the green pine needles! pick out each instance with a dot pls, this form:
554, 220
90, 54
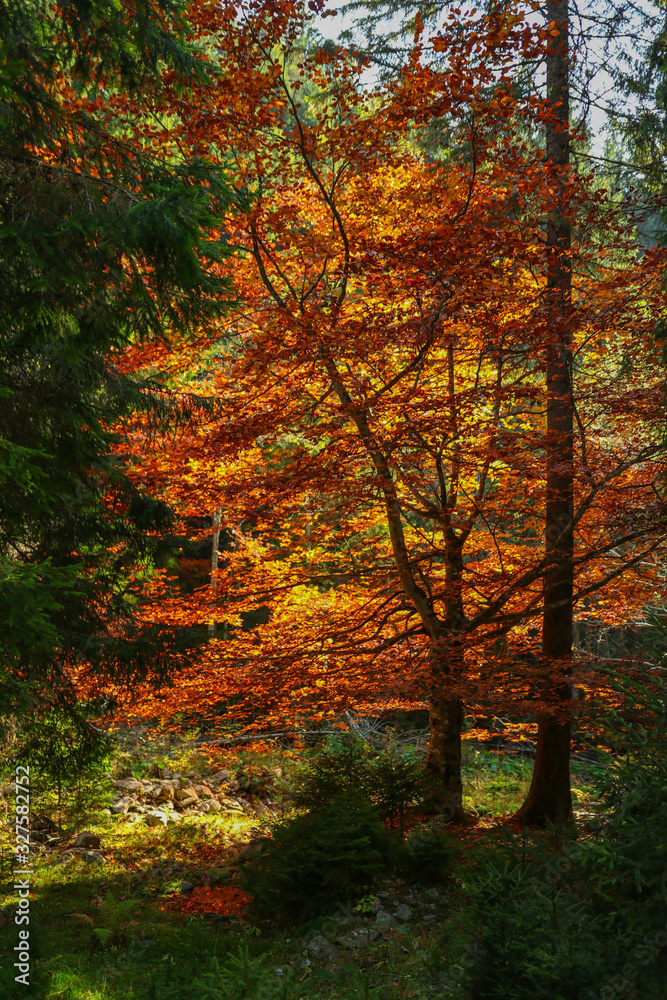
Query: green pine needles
102, 245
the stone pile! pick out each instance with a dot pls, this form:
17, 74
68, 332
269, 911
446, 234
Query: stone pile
350, 930
166, 795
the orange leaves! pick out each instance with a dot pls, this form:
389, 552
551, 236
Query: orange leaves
379, 424
221, 900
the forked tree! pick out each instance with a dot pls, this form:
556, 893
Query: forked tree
380, 450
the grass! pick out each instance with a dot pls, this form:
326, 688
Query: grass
495, 784
100, 930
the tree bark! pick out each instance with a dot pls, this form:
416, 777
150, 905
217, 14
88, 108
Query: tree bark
549, 798
443, 762
215, 556
445, 712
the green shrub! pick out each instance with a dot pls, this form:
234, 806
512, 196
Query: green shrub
342, 769
397, 782
563, 920
629, 859
391, 779
534, 936
316, 859
63, 745
427, 856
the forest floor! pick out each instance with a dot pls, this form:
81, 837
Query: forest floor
157, 911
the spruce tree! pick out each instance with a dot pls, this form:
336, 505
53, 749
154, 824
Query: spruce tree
103, 244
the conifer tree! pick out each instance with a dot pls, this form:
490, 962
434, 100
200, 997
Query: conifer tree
103, 242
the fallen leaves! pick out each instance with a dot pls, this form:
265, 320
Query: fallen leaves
225, 901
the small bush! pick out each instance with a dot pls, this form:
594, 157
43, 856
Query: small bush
427, 856
558, 919
342, 769
397, 782
535, 937
237, 977
317, 859
391, 779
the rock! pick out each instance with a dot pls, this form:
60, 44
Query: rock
430, 916
231, 805
210, 806
128, 784
43, 830
184, 795
87, 839
120, 806
186, 887
166, 773
136, 807
403, 913
189, 801
155, 818
222, 775
253, 849
433, 893
203, 791
163, 792
93, 856
384, 920
358, 938
321, 950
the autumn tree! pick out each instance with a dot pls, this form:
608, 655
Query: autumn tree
102, 244
570, 86
549, 796
380, 464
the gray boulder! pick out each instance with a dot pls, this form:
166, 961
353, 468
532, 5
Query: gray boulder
88, 840
384, 920
128, 784
155, 818
321, 950
403, 913
253, 849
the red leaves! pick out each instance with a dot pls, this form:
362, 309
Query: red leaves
388, 357
222, 900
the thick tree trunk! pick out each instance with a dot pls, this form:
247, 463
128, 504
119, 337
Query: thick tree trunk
549, 798
443, 763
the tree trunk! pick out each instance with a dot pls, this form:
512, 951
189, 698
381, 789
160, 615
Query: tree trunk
215, 555
549, 797
443, 763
